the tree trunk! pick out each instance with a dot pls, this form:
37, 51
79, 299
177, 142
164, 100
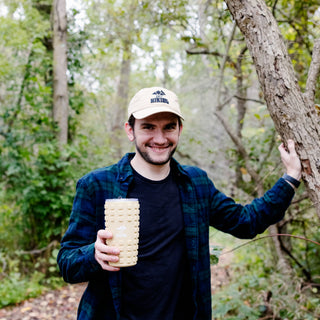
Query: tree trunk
121, 100
293, 112
60, 83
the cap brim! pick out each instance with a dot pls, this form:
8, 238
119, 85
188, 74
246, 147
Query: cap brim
153, 110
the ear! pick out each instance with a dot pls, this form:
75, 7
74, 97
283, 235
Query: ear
129, 131
180, 129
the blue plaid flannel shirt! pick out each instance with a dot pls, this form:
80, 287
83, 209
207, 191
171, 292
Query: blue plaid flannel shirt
202, 205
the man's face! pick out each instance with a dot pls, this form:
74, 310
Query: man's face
156, 137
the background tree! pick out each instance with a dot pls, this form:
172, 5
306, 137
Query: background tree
60, 82
192, 47
257, 152
32, 165
294, 113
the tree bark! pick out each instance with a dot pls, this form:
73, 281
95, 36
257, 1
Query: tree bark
292, 111
60, 82
121, 99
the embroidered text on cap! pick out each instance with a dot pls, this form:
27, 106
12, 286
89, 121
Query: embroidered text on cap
159, 97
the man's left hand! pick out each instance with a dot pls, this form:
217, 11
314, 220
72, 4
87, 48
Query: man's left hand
291, 160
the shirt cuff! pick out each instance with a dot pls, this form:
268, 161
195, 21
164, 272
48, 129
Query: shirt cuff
88, 251
292, 180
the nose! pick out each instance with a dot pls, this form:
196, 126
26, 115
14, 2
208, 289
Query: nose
159, 137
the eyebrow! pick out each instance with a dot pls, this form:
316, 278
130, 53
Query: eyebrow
147, 124
171, 123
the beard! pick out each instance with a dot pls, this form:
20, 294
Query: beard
146, 156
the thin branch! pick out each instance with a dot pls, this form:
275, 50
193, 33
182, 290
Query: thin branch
303, 197
267, 155
249, 99
304, 270
274, 8
207, 52
34, 252
223, 65
187, 156
241, 149
221, 105
295, 23
270, 236
241, 92
313, 72
313, 205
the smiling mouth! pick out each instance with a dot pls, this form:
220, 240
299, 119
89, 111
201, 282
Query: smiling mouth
158, 149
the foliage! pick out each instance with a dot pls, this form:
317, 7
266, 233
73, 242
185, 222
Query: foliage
303, 254
43, 193
298, 22
16, 288
38, 176
18, 283
232, 304
259, 290
215, 252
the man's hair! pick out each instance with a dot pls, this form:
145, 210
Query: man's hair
132, 121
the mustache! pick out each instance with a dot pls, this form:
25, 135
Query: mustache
164, 145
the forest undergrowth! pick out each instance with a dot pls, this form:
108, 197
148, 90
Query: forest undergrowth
258, 290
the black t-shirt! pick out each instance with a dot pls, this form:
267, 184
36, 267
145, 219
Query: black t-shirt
159, 286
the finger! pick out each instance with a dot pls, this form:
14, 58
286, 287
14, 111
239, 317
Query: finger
111, 268
106, 253
104, 234
107, 256
112, 250
105, 263
291, 146
106, 266
283, 151
105, 249
281, 147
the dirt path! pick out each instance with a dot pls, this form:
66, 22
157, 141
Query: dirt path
62, 304
54, 305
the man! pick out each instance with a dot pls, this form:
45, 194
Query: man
177, 204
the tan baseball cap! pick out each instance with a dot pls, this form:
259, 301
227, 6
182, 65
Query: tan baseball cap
149, 101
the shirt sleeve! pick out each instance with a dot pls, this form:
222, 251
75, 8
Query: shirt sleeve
247, 221
76, 256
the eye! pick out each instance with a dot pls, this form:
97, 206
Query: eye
171, 127
147, 127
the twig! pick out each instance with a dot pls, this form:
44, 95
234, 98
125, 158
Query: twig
223, 64
249, 99
270, 236
39, 251
241, 149
206, 52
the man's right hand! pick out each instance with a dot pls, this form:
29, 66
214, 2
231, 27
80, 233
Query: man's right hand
105, 254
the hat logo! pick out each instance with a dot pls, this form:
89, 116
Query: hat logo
159, 97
